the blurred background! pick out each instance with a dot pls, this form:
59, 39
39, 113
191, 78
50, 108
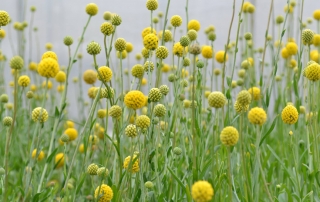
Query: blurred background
56, 19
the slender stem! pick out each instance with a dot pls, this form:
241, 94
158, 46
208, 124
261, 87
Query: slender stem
229, 173
193, 129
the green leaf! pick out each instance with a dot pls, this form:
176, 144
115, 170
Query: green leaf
52, 155
229, 81
74, 61
83, 177
176, 178
269, 131
137, 197
56, 113
228, 94
282, 34
36, 197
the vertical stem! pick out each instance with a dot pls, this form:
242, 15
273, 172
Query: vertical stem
194, 135
229, 173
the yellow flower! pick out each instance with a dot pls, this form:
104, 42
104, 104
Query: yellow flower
48, 67
284, 53
292, 48
290, 114
50, 54
143, 121
316, 40
4, 18
229, 136
105, 73
49, 84
105, 194
257, 116
144, 81
312, 72
40, 155
217, 99
316, 14
165, 68
220, 56
90, 76
176, 21
194, 24
178, 49
150, 41
255, 93
24, 81
59, 160
72, 133
129, 47
147, 31
134, 99
92, 9
36, 115
134, 167
69, 124
33, 66
314, 55
2, 33
202, 191
61, 77
207, 52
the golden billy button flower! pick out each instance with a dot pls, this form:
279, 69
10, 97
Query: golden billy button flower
240, 108
105, 194
68, 40
107, 15
290, 114
184, 41
131, 131
164, 89
257, 116
147, 31
154, 95
279, 19
176, 21
137, 71
132, 165
4, 18
186, 62
152, 5
104, 74
312, 71
195, 49
49, 46
194, 24
64, 138
103, 172
106, 28
143, 121
134, 99
102, 113
120, 44
220, 56
178, 49
159, 110
61, 77
116, 20
50, 54
229, 136
40, 155
167, 35
162, 52
217, 99
92, 9
7, 121
16, 63
150, 41
72, 133
115, 111
4, 98
24, 81
207, 52
148, 66
48, 68
192, 34
202, 191
39, 114
93, 48
129, 47
33, 66
148, 185
2, 34
145, 52
307, 36
177, 151
244, 97
59, 160
200, 64
248, 36
316, 40
255, 93
292, 48
92, 169
90, 76
212, 36
316, 14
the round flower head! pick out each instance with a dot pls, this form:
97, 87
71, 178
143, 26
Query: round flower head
2, 34
102, 113
217, 99
68, 40
50, 54
144, 81
245, 64
92, 169
16, 63
316, 14
220, 56
290, 114
115, 111
251, 8
229, 136
137, 71
106, 28
39, 114
178, 49
40, 155
257, 116
148, 185
255, 93
4, 18
49, 46
240, 108
131, 131
105, 194
202, 191
116, 20
212, 36
61, 77
72, 133
244, 97
48, 67
92, 9
152, 5
207, 52
24, 81
59, 160
184, 41
292, 48
194, 49
132, 165
147, 31
165, 68
192, 34
148, 66
194, 24
186, 62
90, 76
159, 110
167, 35
129, 47
284, 53
33, 66
107, 15
162, 52
150, 41
164, 89
4, 98
145, 52
307, 36
176, 21
279, 19
7, 121
312, 72
93, 48
143, 121
120, 44
154, 94
316, 40
103, 172
104, 74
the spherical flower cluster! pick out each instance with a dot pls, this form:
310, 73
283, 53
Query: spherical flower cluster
92, 9
290, 114
68, 40
39, 114
102, 113
316, 40
152, 5
137, 71
150, 41
154, 95
316, 14
186, 62
104, 74
192, 34
194, 49
59, 160
93, 48
229, 136
292, 48
217, 99
131, 131
48, 67
240, 108
103, 172
90, 76
2, 34
120, 44
255, 93
72, 133
165, 68
147, 31
220, 56
257, 116
24, 81
50, 54
184, 41
307, 36
176, 21
40, 155
132, 165
164, 89
159, 110
115, 111
244, 97
312, 71
33, 66
202, 191
167, 35
16, 63
134, 99
92, 169
4, 18
61, 77
105, 194
148, 66
178, 49
4, 98
116, 20
162, 52
143, 121
106, 28
207, 52
7, 121
194, 24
